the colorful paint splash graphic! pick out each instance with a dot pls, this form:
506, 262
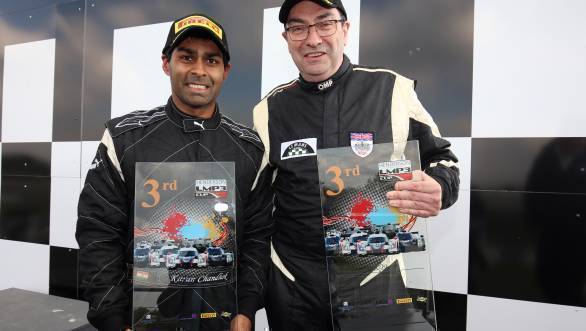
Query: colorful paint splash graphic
173, 223
364, 213
361, 207
178, 226
382, 216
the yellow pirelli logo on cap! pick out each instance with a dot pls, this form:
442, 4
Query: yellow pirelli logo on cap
198, 21
404, 300
208, 315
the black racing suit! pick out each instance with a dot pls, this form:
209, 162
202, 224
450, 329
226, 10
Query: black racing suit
105, 211
355, 99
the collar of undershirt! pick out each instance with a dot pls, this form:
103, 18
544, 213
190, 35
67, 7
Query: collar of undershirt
191, 123
327, 84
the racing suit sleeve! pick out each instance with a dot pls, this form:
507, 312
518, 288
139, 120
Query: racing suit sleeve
437, 160
102, 235
255, 248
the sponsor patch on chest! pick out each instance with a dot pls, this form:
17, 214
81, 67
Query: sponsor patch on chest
362, 143
298, 148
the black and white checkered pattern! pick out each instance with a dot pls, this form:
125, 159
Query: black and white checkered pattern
297, 151
504, 88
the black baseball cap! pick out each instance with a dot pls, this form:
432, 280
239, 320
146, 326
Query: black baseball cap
288, 4
197, 24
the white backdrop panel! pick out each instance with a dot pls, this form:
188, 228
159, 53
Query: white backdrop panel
488, 314
27, 102
27, 266
65, 159
529, 68
138, 80
64, 196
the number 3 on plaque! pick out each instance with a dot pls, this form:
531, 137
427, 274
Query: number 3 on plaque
337, 180
153, 193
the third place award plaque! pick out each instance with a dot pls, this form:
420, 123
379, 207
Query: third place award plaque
378, 266
184, 246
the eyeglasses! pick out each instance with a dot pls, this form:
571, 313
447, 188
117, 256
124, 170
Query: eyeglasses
323, 29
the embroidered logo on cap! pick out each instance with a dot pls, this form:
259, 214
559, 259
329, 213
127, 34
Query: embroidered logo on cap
298, 148
198, 21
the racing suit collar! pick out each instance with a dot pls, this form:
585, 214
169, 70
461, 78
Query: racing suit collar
328, 83
191, 123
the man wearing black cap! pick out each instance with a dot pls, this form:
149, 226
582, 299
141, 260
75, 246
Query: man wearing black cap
189, 128
332, 101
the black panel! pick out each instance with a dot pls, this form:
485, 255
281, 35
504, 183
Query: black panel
451, 311
528, 246
529, 164
25, 26
26, 159
97, 82
24, 209
430, 41
63, 280
68, 72
9, 7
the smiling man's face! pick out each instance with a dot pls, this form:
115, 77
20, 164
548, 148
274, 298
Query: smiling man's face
317, 58
197, 72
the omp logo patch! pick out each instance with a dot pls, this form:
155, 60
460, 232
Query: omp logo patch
198, 21
324, 85
298, 148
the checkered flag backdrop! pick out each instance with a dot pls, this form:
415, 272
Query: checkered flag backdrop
503, 87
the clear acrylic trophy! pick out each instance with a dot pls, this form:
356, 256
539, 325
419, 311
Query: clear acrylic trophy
184, 271
378, 266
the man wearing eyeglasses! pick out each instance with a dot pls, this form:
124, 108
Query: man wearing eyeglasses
331, 101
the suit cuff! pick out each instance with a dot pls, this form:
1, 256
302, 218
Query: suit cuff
248, 307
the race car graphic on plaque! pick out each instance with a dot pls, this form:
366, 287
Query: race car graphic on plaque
184, 246
378, 266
